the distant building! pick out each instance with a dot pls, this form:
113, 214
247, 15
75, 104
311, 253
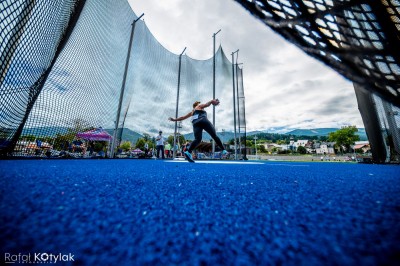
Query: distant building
271, 147
325, 148
362, 145
301, 142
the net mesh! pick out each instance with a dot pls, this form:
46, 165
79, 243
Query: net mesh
241, 111
389, 118
359, 39
63, 68
30, 39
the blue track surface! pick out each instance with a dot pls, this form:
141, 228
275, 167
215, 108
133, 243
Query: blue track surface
135, 212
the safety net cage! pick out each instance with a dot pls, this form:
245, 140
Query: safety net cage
91, 69
360, 39
389, 123
241, 113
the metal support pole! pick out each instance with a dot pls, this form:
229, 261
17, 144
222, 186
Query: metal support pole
234, 103
213, 143
238, 109
238, 104
177, 102
121, 96
244, 118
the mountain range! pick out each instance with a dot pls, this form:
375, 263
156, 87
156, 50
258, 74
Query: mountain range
323, 132
132, 136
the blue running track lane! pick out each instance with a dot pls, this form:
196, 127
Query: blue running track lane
154, 212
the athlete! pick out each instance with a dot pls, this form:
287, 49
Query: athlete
200, 122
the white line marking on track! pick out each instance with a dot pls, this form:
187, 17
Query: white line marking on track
216, 162
288, 164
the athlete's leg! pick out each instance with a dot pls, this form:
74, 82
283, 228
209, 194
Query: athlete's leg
198, 134
209, 128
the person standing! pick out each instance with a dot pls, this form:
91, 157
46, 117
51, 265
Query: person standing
167, 149
200, 122
146, 149
160, 141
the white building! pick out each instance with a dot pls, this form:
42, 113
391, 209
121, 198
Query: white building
300, 142
271, 146
325, 148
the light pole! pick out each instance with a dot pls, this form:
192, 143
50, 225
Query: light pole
177, 101
238, 103
234, 102
223, 136
178, 134
121, 96
213, 145
255, 144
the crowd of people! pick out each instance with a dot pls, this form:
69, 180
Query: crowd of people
164, 149
81, 148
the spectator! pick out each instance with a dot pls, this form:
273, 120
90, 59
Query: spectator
160, 141
146, 149
168, 149
78, 146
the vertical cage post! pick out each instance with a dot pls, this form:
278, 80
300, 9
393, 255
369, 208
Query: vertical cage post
177, 101
121, 96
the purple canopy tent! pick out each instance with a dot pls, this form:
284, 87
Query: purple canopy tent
137, 151
97, 134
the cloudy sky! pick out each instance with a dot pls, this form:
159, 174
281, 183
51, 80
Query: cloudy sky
284, 88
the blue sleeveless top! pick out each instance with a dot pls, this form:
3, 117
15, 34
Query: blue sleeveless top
198, 114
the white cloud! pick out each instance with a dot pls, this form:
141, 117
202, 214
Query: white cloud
283, 86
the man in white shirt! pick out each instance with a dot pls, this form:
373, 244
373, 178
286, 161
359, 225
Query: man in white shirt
160, 140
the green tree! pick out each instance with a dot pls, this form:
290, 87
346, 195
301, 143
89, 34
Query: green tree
170, 139
261, 148
179, 139
99, 146
344, 137
151, 144
281, 142
249, 143
301, 150
146, 136
77, 125
125, 146
61, 140
140, 144
28, 137
323, 138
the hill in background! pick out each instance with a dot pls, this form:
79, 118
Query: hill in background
127, 134
132, 136
323, 132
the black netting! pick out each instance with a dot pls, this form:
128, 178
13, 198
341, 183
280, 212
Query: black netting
241, 110
32, 35
63, 68
360, 39
389, 118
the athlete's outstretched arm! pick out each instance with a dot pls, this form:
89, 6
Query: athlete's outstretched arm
182, 117
207, 104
